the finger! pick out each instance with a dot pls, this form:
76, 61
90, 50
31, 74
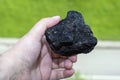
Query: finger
61, 63
68, 64
45, 62
73, 58
60, 74
38, 30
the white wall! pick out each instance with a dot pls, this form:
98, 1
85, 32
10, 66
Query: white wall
99, 62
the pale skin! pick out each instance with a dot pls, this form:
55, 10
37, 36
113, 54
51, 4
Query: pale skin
32, 59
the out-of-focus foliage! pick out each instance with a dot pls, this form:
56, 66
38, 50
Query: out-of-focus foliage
18, 16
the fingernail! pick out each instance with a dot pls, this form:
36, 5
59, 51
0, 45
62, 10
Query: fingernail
56, 17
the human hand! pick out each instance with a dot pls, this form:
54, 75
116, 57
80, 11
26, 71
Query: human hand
32, 59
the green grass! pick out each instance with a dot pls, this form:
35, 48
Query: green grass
18, 16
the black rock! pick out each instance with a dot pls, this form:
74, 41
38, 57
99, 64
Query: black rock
71, 36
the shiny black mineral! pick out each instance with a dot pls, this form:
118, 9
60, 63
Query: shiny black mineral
71, 36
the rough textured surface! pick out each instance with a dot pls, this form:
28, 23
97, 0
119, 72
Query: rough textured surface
71, 36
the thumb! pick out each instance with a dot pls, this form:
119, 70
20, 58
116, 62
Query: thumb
38, 30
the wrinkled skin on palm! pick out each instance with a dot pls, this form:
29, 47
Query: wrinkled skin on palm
71, 36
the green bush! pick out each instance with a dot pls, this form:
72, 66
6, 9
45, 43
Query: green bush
17, 17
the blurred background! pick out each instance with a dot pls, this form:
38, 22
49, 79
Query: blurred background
18, 16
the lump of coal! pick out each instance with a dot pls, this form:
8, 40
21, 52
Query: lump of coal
71, 36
